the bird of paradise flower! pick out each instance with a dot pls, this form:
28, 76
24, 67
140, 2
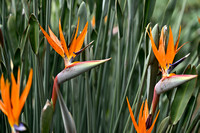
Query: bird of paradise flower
12, 106
68, 54
72, 69
169, 80
141, 126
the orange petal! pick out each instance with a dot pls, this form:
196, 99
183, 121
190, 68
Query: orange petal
143, 125
18, 77
25, 92
199, 19
161, 49
180, 47
54, 45
3, 108
62, 39
146, 110
162, 39
140, 116
55, 39
81, 38
155, 51
93, 22
151, 128
3, 90
14, 95
132, 116
8, 104
73, 45
170, 48
177, 41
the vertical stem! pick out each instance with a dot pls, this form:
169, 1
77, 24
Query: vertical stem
46, 63
54, 94
70, 15
127, 44
88, 100
128, 83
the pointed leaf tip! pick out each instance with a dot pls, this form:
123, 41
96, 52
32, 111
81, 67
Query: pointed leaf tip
171, 82
68, 120
78, 68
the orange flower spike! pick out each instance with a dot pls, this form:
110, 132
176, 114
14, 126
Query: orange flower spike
81, 38
12, 106
8, 103
146, 110
170, 49
51, 41
140, 121
3, 93
132, 116
62, 39
15, 95
77, 41
155, 51
2, 87
24, 94
3, 108
60, 46
55, 39
166, 60
73, 44
143, 115
93, 21
176, 45
161, 49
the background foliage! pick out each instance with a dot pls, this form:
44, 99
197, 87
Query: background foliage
96, 99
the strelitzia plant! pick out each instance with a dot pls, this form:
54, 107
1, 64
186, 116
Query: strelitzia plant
72, 69
141, 126
169, 80
12, 106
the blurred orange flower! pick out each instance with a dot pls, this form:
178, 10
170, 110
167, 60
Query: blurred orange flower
12, 107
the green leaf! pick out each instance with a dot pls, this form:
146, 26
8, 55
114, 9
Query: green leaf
120, 19
1, 37
182, 97
163, 125
34, 33
141, 58
16, 61
148, 10
12, 32
66, 115
46, 117
25, 8
23, 39
82, 13
1, 55
169, 11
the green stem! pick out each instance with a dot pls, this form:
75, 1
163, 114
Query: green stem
128, 83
